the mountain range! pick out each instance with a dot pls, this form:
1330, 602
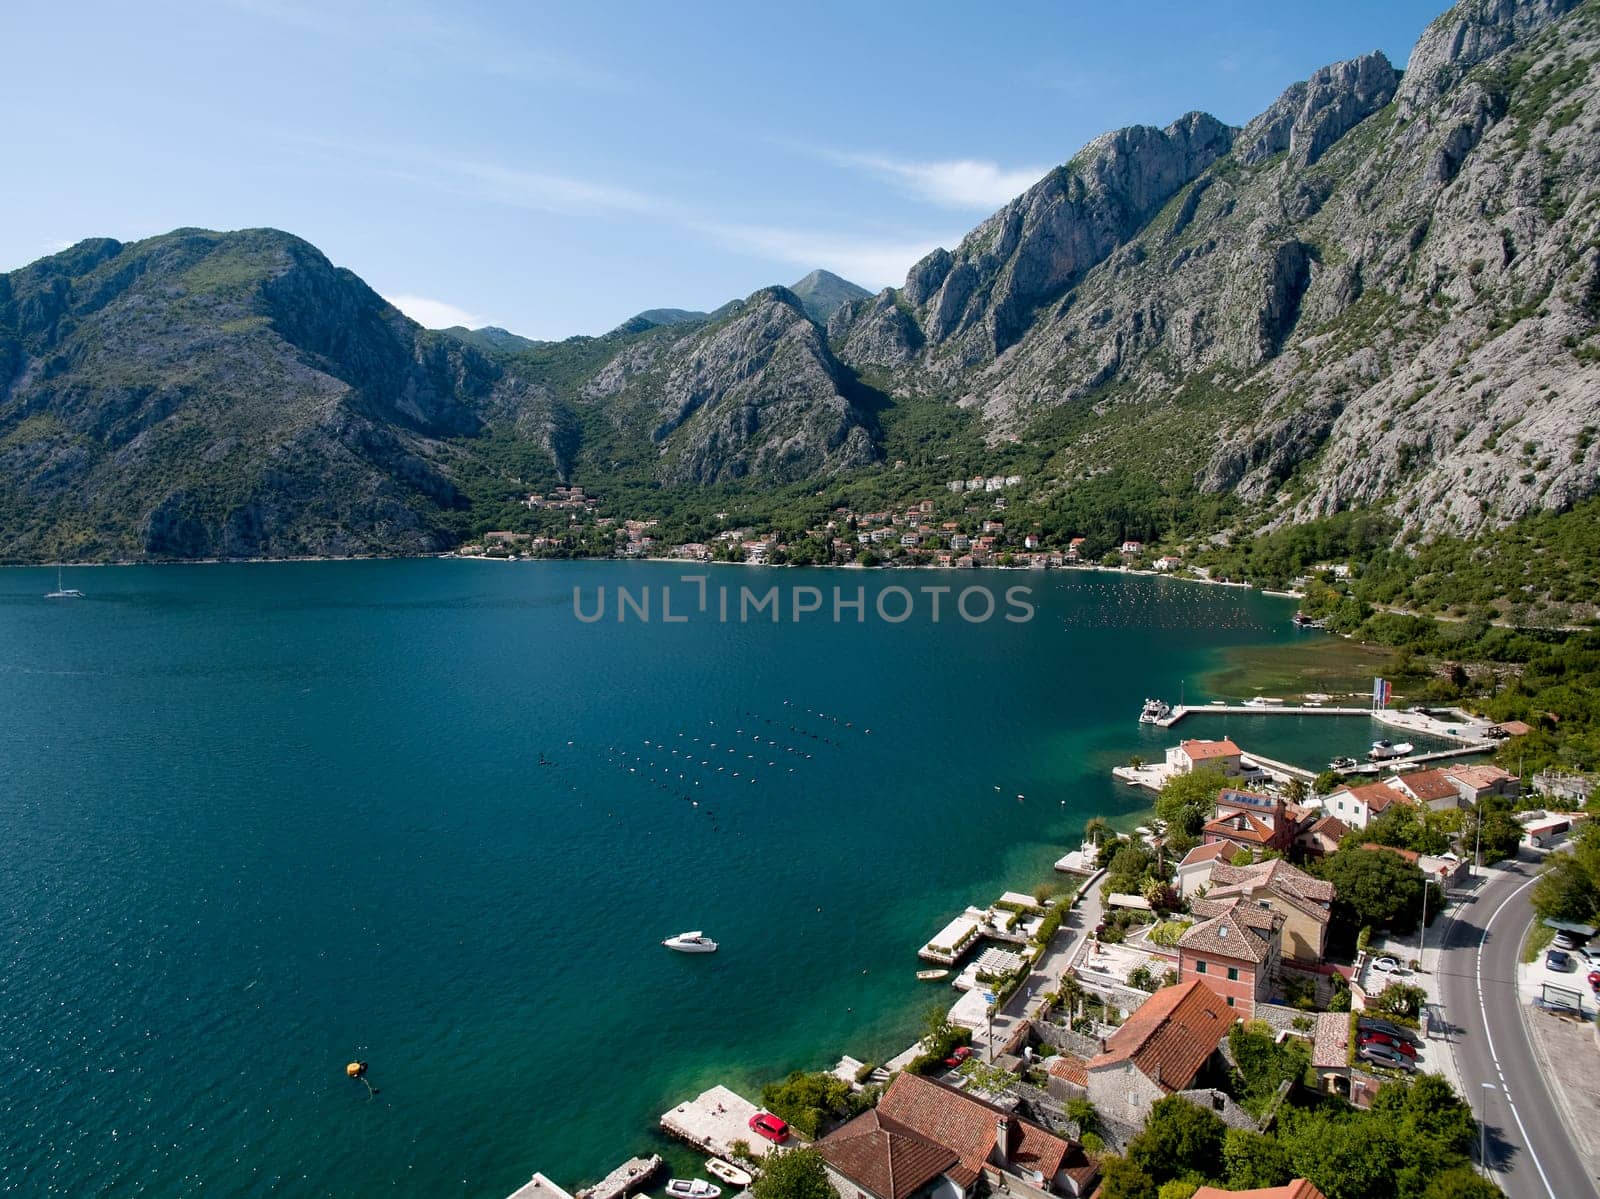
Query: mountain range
1381, 293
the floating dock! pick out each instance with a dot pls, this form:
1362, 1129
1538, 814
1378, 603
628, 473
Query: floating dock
631, 1176
713, 1121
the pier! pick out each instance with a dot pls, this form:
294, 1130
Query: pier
713, 1121
539, 1187
630, 1177
1183, 710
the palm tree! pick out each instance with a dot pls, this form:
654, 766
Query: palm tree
1097, 827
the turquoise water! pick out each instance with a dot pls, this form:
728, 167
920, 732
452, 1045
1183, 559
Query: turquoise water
258, 820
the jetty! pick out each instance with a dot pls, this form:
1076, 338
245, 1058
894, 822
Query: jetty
713, 1120
539, 1187
1182, 710
629, 1178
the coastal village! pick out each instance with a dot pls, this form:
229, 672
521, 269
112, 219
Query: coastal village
963, 529
1202, 960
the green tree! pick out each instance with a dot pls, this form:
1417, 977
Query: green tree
808, 1101
1122, 1178
1179, 1139
1251, 1160
1178, 1188
1262, 1064
1345, 1156
1186, 802
1372, 887
1564, 891
1462, 1182
1501, 832
797, 1174
1097, 829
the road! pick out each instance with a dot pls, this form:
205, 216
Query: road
1528, 1147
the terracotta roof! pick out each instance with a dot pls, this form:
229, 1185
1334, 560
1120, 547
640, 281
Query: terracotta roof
1409, 855
1239, 933
966, 1125
884, 1157
1209, 852
1298, 1189
1516, 728
1428, 785
1241, 826
1281, 875
1377, 796
1331, 1041
1072, 1068
1329, 826
1201, 750
1171, 1035
1479, 776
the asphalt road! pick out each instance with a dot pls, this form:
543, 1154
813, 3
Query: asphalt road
1528, 1148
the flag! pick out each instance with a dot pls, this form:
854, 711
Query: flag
1381, 691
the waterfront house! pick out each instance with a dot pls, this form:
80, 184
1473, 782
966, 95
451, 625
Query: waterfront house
1478, 782
1031, 541
1194, 871
1433, 789
1221, 755
1167, 562
928, 1139
1075, 548
1132, 548
1165, 1047
1236, 953
1252, 820
1322, 837
1356, 806
1305, 903
960, 543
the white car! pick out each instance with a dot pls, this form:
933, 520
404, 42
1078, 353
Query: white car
1388, 965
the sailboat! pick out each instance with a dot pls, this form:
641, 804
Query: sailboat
63, 592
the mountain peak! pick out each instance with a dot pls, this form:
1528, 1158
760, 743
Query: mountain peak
822, 293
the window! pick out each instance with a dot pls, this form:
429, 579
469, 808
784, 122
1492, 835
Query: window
1199, 967
1230, 1000
1233, 974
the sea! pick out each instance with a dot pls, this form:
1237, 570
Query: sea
258, 821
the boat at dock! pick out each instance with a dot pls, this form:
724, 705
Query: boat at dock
728, 1172
1383, 751
1263, 701
695, 942
932, 976
1342, 764
1155, 711
692, 1188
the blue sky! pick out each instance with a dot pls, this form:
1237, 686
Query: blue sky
555, 168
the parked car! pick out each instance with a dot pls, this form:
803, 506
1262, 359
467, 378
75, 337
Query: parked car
1387, 965
1371, 1024
958, 1055
1382, 1055
1560, 959
767, 1125
1566, 941
1371, 1036
1594, 979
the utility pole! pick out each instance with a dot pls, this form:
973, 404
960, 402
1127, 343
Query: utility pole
1422, 938
1483, 1129
1477, 847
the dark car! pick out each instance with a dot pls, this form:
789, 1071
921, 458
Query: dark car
958, 1055
1382, 1055
1371, 1036
767, 1125
1368, 1024
1560, 959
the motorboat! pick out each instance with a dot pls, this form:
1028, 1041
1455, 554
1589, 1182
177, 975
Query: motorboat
692, 1188
1342, 764
932, 976
695, 942
1155, 711
728, 1172
1383, 751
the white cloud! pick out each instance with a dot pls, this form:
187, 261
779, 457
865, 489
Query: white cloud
871, 262
436, 314
964, 183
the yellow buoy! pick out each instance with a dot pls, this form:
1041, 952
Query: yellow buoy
355, 1069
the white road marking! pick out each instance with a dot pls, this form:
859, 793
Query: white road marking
1488, 1034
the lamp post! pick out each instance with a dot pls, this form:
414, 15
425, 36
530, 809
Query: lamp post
1477, 841
1422, 935
1483, 1129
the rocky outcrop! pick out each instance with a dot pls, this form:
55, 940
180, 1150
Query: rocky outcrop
876, 332
1310, 116
1468, 34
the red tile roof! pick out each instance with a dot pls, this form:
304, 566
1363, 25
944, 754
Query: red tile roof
1240, 931
884, 1157
1171, 1035
1210, 852
1429, 785
1298, 1189
1378, 796
1278, 874
1241, 826
1072, 1068
1409, 855
1202, 750
967, 1125
1479, 776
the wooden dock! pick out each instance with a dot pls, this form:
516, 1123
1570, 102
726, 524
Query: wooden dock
630, 1177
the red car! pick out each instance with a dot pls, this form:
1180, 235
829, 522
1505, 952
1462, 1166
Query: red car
960, 1054
1382, 1038
1594, 979
767, 1125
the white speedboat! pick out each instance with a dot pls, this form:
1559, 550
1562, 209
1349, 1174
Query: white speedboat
1383, 751
728, 1172
63, 592
1155, 711
932, 976
1342, 764
695, 942
692, 1188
